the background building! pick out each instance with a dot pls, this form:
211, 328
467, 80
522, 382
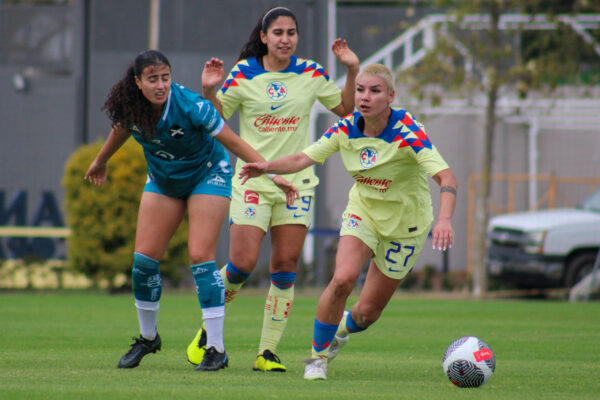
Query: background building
58, 60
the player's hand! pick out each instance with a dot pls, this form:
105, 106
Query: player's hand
291, 192
443, 236
96, 174
212, 74
344, 54
252, 170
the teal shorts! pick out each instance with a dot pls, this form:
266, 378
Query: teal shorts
216, 181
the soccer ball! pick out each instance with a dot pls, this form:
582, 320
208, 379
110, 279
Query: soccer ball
469, 362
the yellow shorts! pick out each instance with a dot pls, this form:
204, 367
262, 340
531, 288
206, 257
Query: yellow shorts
394, 257
264, 209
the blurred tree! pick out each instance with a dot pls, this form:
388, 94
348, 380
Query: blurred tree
476, 53
103, 220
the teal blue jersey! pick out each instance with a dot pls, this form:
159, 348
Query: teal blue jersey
183, 149
390, 171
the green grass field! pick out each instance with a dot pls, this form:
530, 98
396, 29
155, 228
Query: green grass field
65, 345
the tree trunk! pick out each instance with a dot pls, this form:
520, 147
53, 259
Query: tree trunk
483, 205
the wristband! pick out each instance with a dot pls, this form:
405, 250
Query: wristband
271, 175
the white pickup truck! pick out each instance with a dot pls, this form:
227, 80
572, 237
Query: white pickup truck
549, 248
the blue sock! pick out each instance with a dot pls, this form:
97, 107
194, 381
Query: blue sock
235, 275
147, 281
323, 334
351, 325
283, 280
209, 285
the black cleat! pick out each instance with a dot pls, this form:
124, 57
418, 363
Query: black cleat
213, 360
138, 350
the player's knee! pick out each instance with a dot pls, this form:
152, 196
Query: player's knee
232, 274
244, 262
283, 266
201, 255
344, 280
342, 286
146, 278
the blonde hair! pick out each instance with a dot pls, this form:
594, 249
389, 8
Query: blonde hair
381, 71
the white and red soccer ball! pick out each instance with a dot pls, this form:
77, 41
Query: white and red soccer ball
469, 362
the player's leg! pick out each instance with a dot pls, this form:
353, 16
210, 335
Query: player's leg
250, 216
289, 225
376, 292
244, 246
286, 247
206, 215
392, 261
158, 218
374, 296
250, 213
352, 254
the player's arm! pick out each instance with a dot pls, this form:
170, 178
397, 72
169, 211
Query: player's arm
212, 76
443, 236
96, 173
347, 57
284, 165
243, 150
237, 145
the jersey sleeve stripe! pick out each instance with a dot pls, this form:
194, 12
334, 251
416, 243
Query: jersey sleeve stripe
218, 128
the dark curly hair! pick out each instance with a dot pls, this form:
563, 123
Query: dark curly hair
125, 104
254, 47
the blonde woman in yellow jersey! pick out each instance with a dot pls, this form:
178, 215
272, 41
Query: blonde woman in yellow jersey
274, 91
389, 211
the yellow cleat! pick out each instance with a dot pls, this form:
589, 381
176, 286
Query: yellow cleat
268, 362
197, 348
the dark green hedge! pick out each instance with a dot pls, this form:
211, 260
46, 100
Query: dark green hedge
103, 220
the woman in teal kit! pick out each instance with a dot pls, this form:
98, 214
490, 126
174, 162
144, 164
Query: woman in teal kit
188, 170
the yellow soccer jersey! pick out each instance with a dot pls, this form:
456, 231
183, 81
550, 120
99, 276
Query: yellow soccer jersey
390, 171
274, 112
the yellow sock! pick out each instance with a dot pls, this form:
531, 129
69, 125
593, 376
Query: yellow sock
342, 331
277, 307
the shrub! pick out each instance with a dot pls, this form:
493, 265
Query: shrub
103, 220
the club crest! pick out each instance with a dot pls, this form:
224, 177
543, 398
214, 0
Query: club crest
276, 90
368, 157
353, 221
250, 212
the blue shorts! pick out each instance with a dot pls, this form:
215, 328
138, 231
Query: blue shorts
217, 181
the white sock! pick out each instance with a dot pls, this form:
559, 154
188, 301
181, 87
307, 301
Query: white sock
147, 317
214, 318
